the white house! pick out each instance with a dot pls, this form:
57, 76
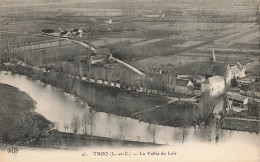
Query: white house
109, 21
238, 71
214, 85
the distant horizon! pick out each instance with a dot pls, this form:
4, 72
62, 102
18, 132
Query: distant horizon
47, 1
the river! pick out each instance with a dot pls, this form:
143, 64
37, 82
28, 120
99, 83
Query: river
60, 108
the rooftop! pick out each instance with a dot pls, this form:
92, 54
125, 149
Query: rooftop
255, 86
238, 97
182, 82
213, 79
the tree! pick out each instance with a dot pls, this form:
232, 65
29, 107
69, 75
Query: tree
208, 103
184, 132
57, 125
121, 132
152, 129
91, 117
179, 92
234, 82
66, 127
85, 122
121, 128
75, 124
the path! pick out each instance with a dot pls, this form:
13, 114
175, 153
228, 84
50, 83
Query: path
131, 67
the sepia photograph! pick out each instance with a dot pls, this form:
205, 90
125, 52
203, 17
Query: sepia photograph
129, 80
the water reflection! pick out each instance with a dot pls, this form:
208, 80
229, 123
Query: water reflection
60, 108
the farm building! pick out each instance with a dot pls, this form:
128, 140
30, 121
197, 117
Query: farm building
214, 85
257, 79
238, 100
214, 68
184, 86
48, 31
77, 32
100, 55
251, 90
65, 34
205, 69
153, 14
244, 89
189, 77
109, 21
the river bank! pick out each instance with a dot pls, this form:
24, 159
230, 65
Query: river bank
61, 108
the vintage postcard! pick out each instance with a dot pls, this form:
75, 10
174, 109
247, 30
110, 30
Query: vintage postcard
129, 80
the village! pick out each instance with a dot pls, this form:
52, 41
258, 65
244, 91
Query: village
213, 77
155, 65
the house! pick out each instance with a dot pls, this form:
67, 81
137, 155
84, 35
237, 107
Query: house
244, 89
77, 32
112, 84
214, 85
251, 90
65, 34
109, 21
238, 100
153, 14
213, 68
189, 77
199, 78
100, 55
238, 71
205, 69
48, 31
184, 86
257, 79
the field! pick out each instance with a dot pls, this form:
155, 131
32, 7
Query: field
188, 33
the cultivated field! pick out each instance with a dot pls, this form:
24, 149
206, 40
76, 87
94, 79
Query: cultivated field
188, 33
